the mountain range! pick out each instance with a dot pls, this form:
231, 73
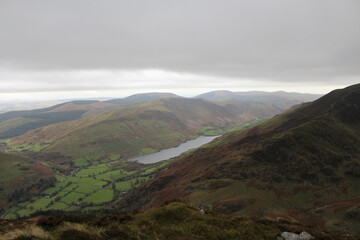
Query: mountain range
155, 124
15, 123
302, 165
281, 99
80, 133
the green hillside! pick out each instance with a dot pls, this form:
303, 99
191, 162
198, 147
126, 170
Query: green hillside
15, 123
91, 152
302, 165
155, 124
18, 122
20, 176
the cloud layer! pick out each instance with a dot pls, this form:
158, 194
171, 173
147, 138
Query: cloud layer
275, 40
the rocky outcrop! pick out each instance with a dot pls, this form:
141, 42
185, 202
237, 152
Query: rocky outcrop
293, 236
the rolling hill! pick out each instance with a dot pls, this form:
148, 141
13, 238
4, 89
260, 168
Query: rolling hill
302, 165
155, 124
7, 106
15, 123
142, 97
18, 175
283, 100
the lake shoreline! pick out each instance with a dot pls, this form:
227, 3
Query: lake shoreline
168, 153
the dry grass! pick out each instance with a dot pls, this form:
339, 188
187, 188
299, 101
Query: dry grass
28, 232
176, 220
82, 230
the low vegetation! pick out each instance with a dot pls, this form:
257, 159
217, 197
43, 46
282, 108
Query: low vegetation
176, 220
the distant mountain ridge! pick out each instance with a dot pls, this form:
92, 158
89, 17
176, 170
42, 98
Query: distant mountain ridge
302, 165
156, 124
15, 123
280, 99
142, 97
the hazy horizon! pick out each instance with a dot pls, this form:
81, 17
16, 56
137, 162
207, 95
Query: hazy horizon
104, 98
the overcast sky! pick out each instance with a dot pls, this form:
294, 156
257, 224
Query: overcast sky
114, 48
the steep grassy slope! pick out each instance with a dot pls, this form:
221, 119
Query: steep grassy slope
19, 175
302, 165
155, 124
176, 220
280, 99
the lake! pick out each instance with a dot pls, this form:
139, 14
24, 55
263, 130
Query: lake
173, 152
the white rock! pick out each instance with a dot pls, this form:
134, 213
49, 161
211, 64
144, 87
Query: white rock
293, 236
305, 235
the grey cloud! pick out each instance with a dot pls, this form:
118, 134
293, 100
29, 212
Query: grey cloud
279, 39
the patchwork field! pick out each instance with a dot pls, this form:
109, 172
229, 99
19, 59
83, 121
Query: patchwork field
88, 188
95, 180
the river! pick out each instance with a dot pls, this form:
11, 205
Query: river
173, 152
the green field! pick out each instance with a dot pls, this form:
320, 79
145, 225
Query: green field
82, 188
72, 197
79, 162
40, 203
92, 170
112, 175
29, 147
209, 131
100, 196
87, 180
134, 182
148, 150
56, 188
91, 185
59, 206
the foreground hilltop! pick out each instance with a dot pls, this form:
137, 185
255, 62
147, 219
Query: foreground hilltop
302, 165
176, 220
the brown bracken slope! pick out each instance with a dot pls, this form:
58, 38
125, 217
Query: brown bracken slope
302, 165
